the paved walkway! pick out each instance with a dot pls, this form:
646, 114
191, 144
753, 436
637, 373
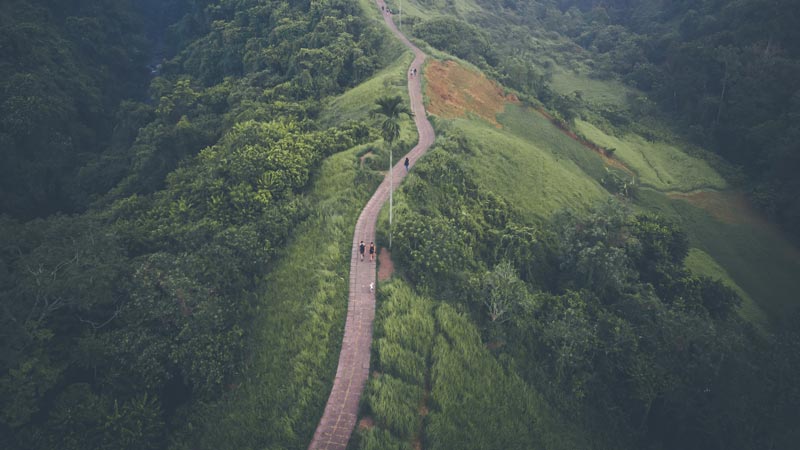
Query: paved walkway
341, 411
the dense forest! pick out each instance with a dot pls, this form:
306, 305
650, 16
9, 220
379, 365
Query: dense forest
158, 159
140, 205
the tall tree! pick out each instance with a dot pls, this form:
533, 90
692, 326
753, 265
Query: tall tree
391, 108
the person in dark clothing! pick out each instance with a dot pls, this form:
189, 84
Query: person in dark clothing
361, 249
406, 163
372, 251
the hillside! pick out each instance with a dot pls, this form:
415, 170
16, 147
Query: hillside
510, 202
598, 252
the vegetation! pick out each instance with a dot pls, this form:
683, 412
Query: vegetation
180, 181
596, 312
133, 323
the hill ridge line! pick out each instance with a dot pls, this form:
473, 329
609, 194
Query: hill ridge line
341, 411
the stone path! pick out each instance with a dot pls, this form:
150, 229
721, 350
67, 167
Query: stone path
339, 419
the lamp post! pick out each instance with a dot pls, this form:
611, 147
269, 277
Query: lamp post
391, 191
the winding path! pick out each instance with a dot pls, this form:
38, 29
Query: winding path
341, 411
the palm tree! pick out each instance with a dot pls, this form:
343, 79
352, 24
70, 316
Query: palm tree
391, 108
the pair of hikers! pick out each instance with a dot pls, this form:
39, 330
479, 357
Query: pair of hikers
362, 247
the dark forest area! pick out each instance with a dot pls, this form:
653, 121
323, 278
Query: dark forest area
154, 159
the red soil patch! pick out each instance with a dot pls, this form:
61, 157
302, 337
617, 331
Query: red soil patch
366, 423
607, 160
728, 207
385, 266
454, 91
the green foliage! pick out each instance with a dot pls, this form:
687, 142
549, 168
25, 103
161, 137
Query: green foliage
65, 69
391, 108
143, 311
458, 38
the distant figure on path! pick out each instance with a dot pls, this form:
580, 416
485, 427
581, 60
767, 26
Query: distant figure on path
372, 251
361, 249
372, 287
406, 164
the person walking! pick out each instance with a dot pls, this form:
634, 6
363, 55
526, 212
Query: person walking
372, 251
361, 249
406, 163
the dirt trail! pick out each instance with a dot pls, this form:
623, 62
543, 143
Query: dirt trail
341, 411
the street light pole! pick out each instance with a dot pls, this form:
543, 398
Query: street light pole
391, 191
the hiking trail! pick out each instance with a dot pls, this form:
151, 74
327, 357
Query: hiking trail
341, 411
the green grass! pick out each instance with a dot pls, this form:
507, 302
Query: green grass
529, 124
356, 103
657, 164
701, 263
530, 175
596, 92
298, 325
423, 11
473, 401
756, 258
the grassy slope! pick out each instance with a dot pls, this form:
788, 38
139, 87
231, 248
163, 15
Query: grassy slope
528, 173
701, 263
598, 92
658, 165
299, 321
757, 258
422, 345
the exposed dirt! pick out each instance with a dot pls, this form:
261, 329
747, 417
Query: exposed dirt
728, 207
366, 423
385, 264
455, 91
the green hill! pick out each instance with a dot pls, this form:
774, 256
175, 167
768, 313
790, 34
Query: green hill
594, 255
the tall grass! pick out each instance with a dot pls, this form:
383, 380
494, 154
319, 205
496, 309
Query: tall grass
473, 402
